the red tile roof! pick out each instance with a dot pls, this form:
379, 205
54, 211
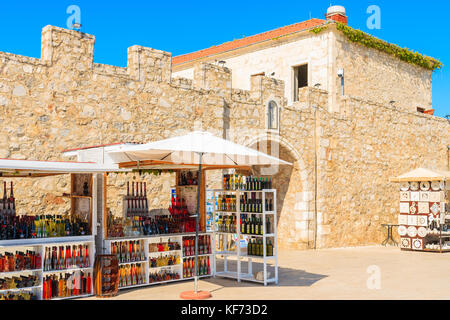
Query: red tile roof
247, 41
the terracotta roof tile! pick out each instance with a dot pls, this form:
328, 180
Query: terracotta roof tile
247, 41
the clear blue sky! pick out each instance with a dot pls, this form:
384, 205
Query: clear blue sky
185, 26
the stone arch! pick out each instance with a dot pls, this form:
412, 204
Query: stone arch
294, 197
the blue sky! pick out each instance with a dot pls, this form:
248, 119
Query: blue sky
185, 26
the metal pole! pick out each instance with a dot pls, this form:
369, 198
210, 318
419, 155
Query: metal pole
197, 218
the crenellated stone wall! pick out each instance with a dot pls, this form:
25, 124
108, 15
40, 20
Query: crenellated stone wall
65, 100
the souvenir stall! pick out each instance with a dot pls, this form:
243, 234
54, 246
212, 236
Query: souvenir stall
424, 219
167, 246
47, 255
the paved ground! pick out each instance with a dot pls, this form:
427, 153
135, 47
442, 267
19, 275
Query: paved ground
330, 274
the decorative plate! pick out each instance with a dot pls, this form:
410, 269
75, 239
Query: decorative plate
414, 186
404, 186
422, 221
424, 196
436, 185
412, 232
435, 197
405, 243
417, 244
413, 208
415, 196
412, 220
424, 186
424, 207
435, 208
404, 207
404, 196
422, 232
402, 231
402, 220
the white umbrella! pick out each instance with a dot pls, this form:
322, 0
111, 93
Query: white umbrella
196, 148
190, 148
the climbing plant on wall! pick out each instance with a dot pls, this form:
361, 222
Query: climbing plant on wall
404, 54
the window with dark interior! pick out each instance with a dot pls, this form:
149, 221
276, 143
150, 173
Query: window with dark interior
272, 115
300, 79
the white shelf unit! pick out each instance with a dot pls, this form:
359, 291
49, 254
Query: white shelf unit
39, 245
238, 275
148, 255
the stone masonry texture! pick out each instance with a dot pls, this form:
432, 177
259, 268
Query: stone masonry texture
64, 100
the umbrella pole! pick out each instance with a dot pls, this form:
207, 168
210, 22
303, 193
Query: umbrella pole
196, 295
197, 218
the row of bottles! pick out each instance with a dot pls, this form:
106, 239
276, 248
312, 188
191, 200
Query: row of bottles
163, 246
188, 178
30, 260
129, 251
131, 274
8, 204
44, 226
163, 275
25, 295
178, 207
246, 183
204, 267
66, 257
136, 201
19, 282
226, 203
204, 245
226, 224
66, 285
256, 248
254, 225
148, 226
165, 260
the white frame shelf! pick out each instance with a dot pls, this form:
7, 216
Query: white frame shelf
238, 275
38, 245
176, 237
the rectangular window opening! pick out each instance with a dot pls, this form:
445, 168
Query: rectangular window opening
300, 79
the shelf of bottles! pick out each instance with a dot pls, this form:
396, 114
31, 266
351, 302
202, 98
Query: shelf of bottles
246, 209
160, 258
46, 271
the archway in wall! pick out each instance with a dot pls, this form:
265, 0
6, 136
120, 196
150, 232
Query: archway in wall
295, 223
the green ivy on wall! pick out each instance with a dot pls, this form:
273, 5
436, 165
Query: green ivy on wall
404, 54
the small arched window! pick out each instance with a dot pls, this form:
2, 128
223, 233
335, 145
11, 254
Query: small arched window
272, 115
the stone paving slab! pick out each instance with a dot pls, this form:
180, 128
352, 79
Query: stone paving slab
329, 274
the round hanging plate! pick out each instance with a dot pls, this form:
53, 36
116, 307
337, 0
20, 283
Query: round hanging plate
404, 186
414, 186
412, 231
402, 231
422, 232
424, 186
417, 244
436, 185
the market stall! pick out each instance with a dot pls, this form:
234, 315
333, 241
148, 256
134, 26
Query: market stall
424, 219
44, 255
158, 248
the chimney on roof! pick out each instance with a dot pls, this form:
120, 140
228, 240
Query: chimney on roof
336, 13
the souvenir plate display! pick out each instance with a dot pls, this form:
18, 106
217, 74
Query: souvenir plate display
424, 186
405, 243
414, 186
404, 186
412, 232
402, 231
423, 220
417, 244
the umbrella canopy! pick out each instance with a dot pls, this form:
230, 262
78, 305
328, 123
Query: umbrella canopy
186, 150
422, 174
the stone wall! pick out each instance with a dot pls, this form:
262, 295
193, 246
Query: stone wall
64, 100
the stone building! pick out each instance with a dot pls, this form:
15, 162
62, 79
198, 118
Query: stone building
345, 137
